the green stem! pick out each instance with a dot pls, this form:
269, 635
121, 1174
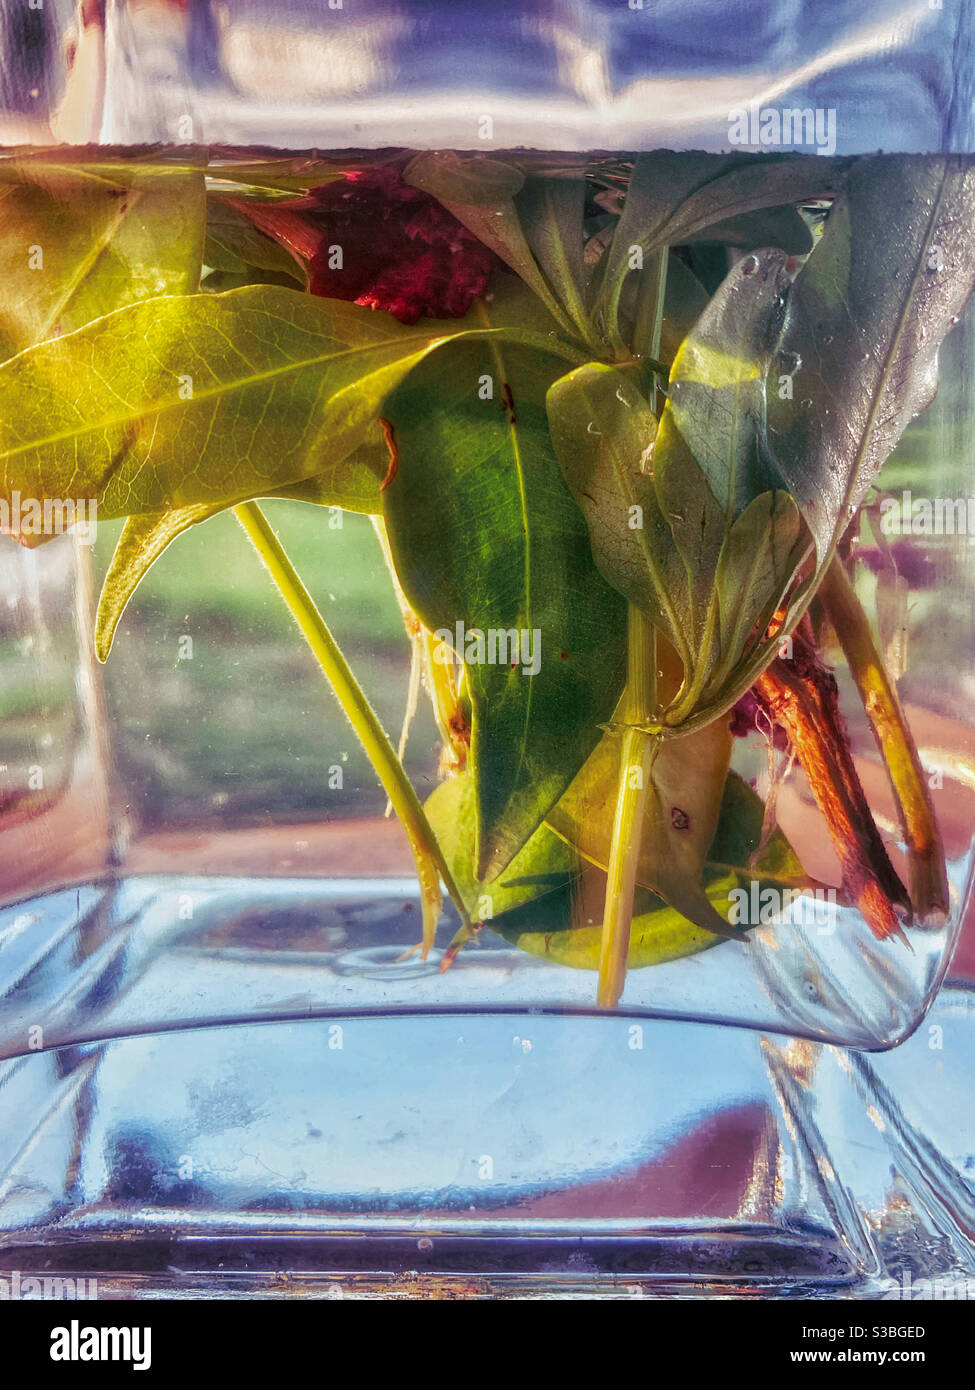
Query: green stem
431, 866
637, 756
651, 296
639, 747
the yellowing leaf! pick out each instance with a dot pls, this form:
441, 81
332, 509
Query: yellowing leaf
77, 243
565, 926
143, 540
203, 399
682, 815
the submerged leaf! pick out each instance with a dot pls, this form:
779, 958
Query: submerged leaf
673, 197
683, 803
566, 926
783, 227
76, 243
204, 399
544, 863
233, 243
604, 435
718, 381
708, 577
484, 533
143, 540
552, 212
685, 301
479, 193
470, 179
761, 555
868, 313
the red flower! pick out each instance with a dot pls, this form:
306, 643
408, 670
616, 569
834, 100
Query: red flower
371, 238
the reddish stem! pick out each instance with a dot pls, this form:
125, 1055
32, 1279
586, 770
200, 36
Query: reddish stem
801, 695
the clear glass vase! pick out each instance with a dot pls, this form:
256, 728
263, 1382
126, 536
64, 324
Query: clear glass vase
221, 1068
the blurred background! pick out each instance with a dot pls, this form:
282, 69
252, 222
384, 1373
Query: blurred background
556, 74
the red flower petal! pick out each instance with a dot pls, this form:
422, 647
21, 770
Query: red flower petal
375, 240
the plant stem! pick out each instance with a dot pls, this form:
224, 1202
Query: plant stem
800, 694
649, 318
636, 767
928, 881
431, 866
441, 687
638, 748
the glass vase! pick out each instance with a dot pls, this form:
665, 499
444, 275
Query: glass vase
223, 1070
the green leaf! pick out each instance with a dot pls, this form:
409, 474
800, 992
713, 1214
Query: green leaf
718, 381
76, 244
473, 180
757, 564
699, 526
233, 243
683, 805
684, 303
673, 197
355, 486
662, 538
551, 211
544, 863
143, 540
737, 572
287, 174
204, 399
890, 275
565, 925
738, 531
604, 435
484, 532
782, 227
